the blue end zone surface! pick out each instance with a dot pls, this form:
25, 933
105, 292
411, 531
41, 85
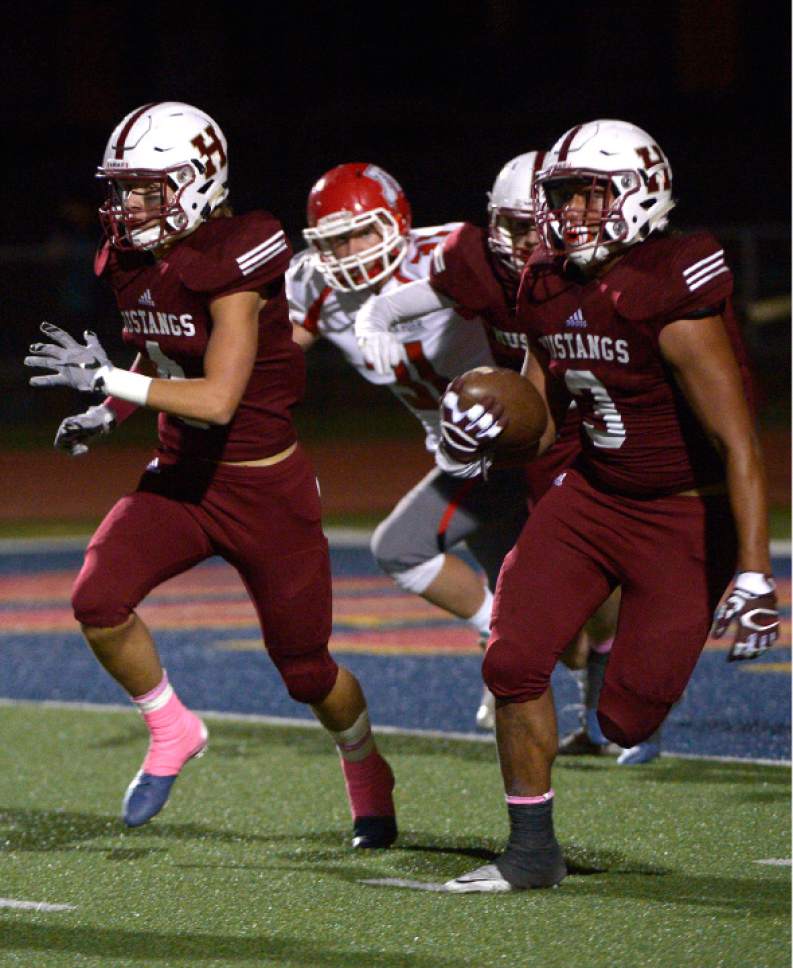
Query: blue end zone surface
735, 709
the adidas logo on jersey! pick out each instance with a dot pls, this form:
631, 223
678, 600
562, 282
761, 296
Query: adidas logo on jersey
706, 269
576, 321
145, 299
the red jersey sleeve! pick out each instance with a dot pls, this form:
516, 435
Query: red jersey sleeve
248, 253
460, 268
685, 277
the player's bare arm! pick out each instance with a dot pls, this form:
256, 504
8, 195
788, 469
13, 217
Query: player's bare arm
706, 370
227, 365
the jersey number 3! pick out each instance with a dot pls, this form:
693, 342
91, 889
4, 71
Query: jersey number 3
609, 432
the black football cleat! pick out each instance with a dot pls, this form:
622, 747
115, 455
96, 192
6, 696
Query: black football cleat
372, 833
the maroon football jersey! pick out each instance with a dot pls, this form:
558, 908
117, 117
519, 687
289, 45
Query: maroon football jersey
164, 306
639, 436
465, 270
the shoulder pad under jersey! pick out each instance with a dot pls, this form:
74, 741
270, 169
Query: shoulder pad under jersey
461, 269
237, 254
664, 279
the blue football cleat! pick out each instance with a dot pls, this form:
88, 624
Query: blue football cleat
148, 794
145, 797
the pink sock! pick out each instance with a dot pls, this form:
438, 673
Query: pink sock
176, 733
604, 647
529, 801
369, 784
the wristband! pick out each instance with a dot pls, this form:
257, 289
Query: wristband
123, 384
755, 582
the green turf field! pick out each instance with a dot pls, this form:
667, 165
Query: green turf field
249, 864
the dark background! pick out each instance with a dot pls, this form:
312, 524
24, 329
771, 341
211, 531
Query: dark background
441, 95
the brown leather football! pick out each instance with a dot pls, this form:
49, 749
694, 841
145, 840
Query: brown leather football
524, 408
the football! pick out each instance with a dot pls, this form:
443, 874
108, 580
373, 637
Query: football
524, 408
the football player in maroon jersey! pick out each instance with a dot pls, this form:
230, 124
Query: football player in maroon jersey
667, 499
476, 272
202, 298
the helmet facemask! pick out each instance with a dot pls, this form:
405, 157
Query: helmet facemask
160, 219
592, 232
511, 236
360, 270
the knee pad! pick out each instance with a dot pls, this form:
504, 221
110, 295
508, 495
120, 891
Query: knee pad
95, 605
418, 578
308, 678
627, 718
412, 562
511, 671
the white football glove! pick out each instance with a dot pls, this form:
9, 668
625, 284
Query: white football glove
380, 347
76, 365
75, 432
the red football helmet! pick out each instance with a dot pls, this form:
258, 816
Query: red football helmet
350, 199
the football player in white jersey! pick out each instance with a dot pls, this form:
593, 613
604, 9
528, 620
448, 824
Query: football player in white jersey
361, 243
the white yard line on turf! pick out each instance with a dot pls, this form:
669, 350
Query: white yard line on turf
338, 538
401, 882
293, 721
775, 862
10, 902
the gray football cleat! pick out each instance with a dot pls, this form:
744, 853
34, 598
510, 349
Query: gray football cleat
483, 880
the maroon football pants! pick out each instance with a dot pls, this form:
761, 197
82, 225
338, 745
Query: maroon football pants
265, 521
673, 558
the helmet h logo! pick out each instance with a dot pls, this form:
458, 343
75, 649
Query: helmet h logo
651, 157
208, 144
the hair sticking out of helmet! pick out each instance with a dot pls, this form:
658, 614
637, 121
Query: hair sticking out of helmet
358, 225
166, 169
512, 231
607, 185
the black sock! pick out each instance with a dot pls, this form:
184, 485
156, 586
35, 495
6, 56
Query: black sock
595, 674
533, 857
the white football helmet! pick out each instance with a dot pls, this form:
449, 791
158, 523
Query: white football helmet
179, 154
511, 201
624, 179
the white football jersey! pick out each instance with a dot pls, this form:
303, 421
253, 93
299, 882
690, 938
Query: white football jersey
437, 347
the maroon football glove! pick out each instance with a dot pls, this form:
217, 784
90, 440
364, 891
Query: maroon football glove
756, 618
467, 435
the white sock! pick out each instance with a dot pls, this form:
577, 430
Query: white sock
481, 617
356, 742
